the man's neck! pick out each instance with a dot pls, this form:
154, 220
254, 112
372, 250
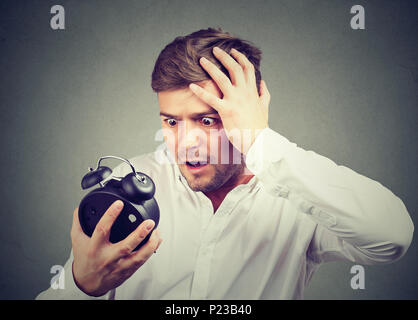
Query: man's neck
218, 195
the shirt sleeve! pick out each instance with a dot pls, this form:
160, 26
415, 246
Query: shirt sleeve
70, 290
357, 218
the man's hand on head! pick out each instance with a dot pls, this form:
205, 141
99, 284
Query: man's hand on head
243, 110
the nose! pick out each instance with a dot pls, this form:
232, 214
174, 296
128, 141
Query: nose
190, 135
192, 140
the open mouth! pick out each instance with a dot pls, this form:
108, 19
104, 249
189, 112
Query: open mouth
196, 164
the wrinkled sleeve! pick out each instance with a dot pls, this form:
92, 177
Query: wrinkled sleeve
358, 219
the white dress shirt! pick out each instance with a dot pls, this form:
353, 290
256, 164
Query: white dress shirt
269, 236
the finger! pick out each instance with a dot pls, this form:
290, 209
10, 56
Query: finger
264, 94
138, 258
102, 231
77, 232
220, 78
207, 97
126, 246
246, 65
234, 68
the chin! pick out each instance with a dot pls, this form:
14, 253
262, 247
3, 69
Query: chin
203, 188
199, 184
212, 180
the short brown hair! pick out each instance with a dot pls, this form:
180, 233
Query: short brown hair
178, 63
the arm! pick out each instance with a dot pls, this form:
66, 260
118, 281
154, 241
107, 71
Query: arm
370, 224
358, 217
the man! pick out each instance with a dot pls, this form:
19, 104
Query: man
245, 213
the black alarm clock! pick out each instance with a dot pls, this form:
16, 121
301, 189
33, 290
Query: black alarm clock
136, 190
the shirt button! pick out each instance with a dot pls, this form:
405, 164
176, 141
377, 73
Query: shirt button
315, 211
305, 207
282, 191
324, 217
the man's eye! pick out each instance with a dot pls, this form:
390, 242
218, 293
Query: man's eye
171, 122
208, 121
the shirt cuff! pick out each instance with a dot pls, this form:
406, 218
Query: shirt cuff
268, 147
75, 292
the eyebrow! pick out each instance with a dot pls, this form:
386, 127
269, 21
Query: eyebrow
193, 115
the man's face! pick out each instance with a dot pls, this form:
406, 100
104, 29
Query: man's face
193, 132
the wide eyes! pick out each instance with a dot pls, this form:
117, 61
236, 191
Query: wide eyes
171, 122
205, 121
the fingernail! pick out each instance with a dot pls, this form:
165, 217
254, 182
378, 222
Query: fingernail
119, 204
192, 86
203, 60
216, 49
150, 225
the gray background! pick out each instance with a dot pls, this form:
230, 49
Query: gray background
68, 97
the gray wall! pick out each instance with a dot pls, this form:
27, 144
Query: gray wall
70, 96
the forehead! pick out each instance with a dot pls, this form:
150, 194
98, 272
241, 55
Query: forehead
184, 101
